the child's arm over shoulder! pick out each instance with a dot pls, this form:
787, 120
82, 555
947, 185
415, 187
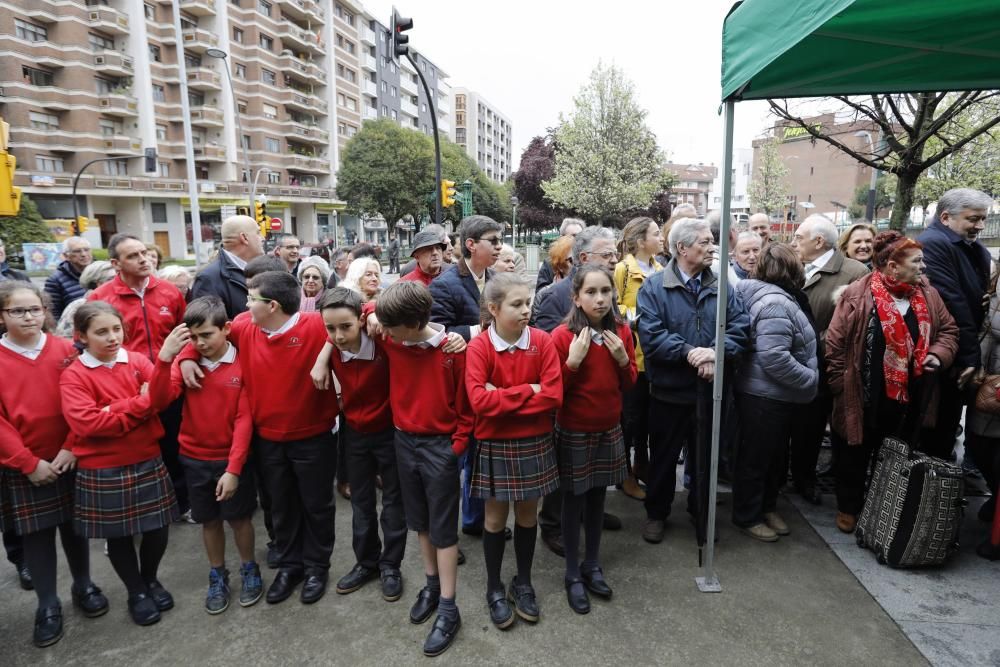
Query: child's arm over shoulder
479, 361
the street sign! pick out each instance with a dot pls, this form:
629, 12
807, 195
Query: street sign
275, 224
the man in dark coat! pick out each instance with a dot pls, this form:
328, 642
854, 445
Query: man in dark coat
958, 266
7, 273
569, 227
63, 286
224, 278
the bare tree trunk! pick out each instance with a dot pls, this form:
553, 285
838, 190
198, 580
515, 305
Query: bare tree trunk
906, 185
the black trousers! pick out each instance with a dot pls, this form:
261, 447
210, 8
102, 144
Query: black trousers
985, 453
808, 430
170, 451
940, 440
263, 495
635, 421
759, 470
299, 476
14, 547
370, 454
393, 264
852, 465
550, 516
670, 426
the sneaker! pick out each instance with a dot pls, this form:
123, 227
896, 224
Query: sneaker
653, 530
217, 600
252, 588
760, 531
776, 523
186, 518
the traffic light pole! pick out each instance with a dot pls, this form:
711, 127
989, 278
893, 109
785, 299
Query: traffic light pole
76, 181
438, 213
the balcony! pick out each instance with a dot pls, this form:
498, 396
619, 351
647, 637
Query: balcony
198, 7
406, 84
368, 36
371, 113
114, 63
210, 153
171, 149
162, 32
109, 20
408, 107
309, 134
291, 34
303, 69
167, 73
369, 87
303, 10
206, 116
119, 105
120, 144
369, 63
312, 165
204, 78
443, 104
169, 111
304, 102
199, 41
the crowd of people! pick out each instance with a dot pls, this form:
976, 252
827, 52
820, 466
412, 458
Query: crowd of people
135, 398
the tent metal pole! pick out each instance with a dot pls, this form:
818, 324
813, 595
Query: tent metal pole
708, 582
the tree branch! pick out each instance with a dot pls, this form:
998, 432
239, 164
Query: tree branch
873, 163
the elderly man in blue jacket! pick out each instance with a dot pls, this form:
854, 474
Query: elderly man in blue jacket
958, 266
677, 331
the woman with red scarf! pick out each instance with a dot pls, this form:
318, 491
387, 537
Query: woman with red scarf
891, 336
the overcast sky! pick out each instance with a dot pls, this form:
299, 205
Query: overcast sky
529, 58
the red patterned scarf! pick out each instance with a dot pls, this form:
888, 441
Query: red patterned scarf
901, 354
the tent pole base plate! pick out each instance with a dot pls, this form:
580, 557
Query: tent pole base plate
708, 584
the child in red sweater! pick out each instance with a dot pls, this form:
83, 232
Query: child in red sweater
599, 366
122, 486
514, 384
216, 428
36, 458
433, 424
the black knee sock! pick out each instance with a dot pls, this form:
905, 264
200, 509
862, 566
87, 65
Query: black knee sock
40, 557
154, 545
524, 550
493, 546
593, 524
572, 505
77, 550
121, 553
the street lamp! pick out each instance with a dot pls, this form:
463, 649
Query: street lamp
223, 56
870, 208
513, 223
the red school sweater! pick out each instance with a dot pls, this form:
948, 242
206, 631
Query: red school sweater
427, 393
284, 404
513, 410
593, 393
364, 389
129, 432
148, 320
215, 422
31, 420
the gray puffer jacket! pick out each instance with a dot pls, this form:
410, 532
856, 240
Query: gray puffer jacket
781, 363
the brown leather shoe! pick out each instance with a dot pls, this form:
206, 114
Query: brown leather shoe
632, 489
776, 523
846, 522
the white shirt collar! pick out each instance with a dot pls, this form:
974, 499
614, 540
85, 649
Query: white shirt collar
142, 290
239, 262
366, 353
820, 262
500, 345
434, 340
292, 321
29, 352
596, 337
90, 361
227, 358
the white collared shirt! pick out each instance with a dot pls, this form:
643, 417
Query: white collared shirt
292, 321
227, 358
239, 262
29, 352
434, 340
819, 263
90, 361
142, 290
366, 353
596, 337
500, 345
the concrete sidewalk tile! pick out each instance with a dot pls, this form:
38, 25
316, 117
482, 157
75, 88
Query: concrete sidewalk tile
955, 644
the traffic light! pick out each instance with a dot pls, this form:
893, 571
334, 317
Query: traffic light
10, 195
448, 193
400, 42
81, 224
260, 215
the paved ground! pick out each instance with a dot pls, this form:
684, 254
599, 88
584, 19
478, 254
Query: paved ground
789, 603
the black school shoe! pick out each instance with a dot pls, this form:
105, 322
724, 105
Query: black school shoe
594, 581
90, 601
283, 585
426, 604
392, 584
525, 604
48, 626
612, 522
24, 577
314, 587
355, 579
576, 595
142, 609
442, 635
163, 599
500, 612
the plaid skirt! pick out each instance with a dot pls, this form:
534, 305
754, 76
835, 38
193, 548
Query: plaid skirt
26, 508
590, 460
520, 469
122, 501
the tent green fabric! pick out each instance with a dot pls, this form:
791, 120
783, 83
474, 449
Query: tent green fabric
812, 48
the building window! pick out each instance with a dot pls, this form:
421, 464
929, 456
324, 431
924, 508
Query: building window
150, 11
191, 60
247, 142
347, 73
188, 24
241, 71
237, 35
235, 3
155, 54
196, 99
423, 107
460, 118
269, 77
109, 128
272, 145
351, 130
345, 44
36, 77
165, 173
116, 168
48, 163
274, 177
394, 114
385, 62
460, 135
30, 31
159, 93
241, 106
270, 111
344, 15
266, 42
385, 87
43, 121
105, 86
392, 66
158, 210
264, 7
100, 42
161, 132
392, 91
385, 110
342, 129
352, 104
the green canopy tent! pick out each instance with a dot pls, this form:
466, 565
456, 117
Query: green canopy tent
813, 48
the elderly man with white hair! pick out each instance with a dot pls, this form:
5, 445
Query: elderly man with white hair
224, 277
63, 286
746, 252
827, 271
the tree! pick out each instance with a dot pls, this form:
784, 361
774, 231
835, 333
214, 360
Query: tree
919, 131
883, 199
607, 160
25, 227
535, 211
768, 189
387, 170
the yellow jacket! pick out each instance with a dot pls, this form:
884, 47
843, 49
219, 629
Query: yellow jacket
628, 280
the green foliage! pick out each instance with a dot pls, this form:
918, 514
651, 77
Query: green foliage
884, 192
25, 227
768, 189
606, 159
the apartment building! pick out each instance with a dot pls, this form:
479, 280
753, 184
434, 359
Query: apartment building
742, 172
483, 132
694, 183
102, 79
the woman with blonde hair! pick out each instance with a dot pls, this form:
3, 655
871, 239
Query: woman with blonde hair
858, 242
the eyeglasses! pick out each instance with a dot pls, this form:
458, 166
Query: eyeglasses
259, 299
495, 241
607, 255
311, 278
19, 313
